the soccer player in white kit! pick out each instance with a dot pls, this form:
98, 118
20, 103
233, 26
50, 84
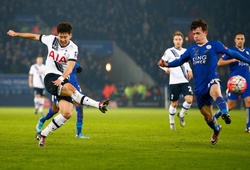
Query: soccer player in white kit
61, 58
178, 80
36, 76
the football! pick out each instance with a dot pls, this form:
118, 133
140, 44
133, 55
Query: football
237, 84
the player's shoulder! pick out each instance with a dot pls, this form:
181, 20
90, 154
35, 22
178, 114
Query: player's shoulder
72, 45
215, 43
247, 49
33, 65
48, 36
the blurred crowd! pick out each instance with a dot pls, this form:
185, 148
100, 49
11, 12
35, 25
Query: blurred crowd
142, 28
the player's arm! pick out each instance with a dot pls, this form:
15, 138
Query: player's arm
232, 53
66, 73
223, 62
30, 36
189, 70
78, 68
30, 80
237, 55
174, 63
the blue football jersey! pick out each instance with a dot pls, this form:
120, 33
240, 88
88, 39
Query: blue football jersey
204, 62
239, 68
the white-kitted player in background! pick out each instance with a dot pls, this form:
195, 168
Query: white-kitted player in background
36, 76
178, 80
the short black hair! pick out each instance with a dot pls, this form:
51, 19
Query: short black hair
199, 23
64, 27
239, 33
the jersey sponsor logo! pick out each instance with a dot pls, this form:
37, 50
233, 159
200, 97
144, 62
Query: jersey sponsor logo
57, 58
241, 63
200, 59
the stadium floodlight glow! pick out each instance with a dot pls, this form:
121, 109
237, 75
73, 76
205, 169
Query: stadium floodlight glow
108, 67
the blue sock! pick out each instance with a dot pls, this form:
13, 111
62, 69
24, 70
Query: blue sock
221, 103
213, 125
49, 115
217, 115
248, 118
79, 121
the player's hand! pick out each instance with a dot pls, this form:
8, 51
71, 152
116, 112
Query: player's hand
162, 63
11, 33
79, 69
190, 75
167, 71
235, 60
57, 82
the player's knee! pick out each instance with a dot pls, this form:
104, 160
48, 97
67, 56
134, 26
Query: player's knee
66, 114
189, 99
174, 104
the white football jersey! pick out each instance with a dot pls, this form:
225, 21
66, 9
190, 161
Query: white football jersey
177, 74
58, 56
37, 73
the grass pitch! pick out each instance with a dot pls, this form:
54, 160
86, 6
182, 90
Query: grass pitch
124, 138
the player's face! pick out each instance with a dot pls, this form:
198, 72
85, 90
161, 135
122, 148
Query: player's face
39, 60
200, 36
64, 38
178, 41
239, 41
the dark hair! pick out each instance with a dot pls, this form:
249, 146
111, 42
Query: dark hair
178, 33
239, 33
199, 23
64, 27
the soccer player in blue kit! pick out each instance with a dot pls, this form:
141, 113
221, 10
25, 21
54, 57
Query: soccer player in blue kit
238, 68
54, 109
204, 58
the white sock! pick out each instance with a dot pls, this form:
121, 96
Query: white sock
36, 102
57, 122
172, 112
184, 109
84, 100
41, 102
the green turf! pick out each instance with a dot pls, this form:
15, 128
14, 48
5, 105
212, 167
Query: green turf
123, 138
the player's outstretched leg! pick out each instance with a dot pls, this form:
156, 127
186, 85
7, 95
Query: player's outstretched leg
221, 103
226, 118
41, 139
215, 135
103, 105
85, 100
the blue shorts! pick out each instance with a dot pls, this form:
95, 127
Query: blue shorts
202, 95
232, 96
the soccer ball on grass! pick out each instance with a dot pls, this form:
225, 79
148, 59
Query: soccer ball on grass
237, 84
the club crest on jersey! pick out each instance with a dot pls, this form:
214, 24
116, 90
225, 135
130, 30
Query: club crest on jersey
208, 47
76, 54
57, 58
